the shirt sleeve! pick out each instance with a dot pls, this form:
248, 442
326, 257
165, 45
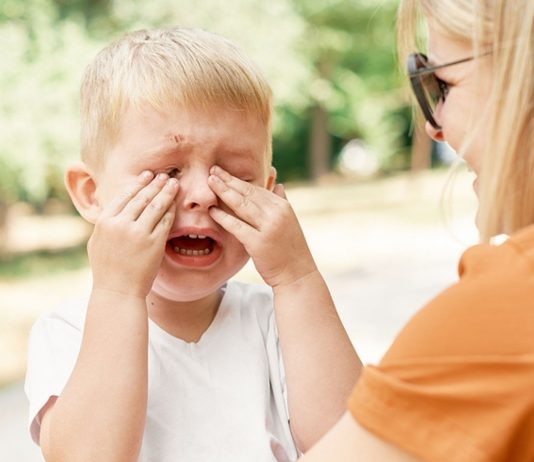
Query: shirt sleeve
53, 348
457, 383
277, 378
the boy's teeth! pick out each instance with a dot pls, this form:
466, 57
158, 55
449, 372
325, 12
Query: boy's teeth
196, 236
192, 253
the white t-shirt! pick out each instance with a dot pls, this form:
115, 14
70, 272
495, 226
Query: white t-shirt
220, 399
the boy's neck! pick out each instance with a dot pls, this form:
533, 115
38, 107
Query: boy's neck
184, 320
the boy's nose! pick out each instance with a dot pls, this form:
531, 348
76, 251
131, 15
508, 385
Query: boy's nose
197, 195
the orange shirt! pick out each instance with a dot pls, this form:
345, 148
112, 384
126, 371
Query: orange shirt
457, 385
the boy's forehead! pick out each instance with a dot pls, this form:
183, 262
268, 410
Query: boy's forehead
149, 134
180, 144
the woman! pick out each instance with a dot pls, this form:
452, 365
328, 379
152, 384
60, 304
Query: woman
458, 382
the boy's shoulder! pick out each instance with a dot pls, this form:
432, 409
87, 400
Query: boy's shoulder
250, 299
71, 311
238, 295
256, 294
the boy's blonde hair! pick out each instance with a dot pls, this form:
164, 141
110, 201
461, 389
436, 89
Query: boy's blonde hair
163, 68
506, 30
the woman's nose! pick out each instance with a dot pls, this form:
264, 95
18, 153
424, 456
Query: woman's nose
197, 195
435, 133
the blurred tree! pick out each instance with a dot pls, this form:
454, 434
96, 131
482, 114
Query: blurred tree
39, 75
350, 46
330, 62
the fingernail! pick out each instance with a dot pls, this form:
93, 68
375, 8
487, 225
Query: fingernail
213, 177
147, 174
162, 176
223, 174
172, 182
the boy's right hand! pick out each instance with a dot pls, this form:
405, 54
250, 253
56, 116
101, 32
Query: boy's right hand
129, 238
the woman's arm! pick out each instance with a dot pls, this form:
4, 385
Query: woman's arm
348, 441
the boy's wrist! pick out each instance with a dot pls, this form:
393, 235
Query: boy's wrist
117, 295
297, 280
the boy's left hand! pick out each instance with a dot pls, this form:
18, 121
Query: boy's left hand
266, 225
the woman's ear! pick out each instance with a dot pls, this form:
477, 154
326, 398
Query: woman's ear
81, 187
271, 180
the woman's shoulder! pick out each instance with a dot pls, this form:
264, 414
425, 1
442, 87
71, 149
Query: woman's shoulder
489, 311
514, 255
462, 370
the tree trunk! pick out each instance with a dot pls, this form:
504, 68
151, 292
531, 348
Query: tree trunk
3, 227
320, 147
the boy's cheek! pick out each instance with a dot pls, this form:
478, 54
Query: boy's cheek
107, 188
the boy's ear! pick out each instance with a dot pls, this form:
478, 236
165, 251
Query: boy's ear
271, 180
81, 187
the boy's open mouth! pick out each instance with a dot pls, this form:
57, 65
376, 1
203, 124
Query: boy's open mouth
195, 245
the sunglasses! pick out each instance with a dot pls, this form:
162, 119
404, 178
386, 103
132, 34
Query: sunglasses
429, 89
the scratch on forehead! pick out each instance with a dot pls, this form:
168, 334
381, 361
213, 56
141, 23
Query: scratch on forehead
178, 138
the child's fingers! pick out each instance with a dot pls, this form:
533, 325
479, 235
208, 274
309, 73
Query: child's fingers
117, 204
152, 214
133, 209
241, 230
163, 226
231, 181
260, 196
242, 201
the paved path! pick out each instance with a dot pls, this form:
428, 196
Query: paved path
15, 443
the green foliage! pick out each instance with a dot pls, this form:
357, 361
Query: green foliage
42, 262
39, 74
336, 53
351, 45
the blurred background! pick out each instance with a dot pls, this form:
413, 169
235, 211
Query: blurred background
363, 177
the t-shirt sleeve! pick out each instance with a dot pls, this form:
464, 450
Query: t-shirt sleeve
278, 373
52, 352
457, 384
277, 377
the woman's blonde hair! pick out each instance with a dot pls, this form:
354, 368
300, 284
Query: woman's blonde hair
163, 68
506, 30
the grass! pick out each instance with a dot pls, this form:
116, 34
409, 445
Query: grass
45, 261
